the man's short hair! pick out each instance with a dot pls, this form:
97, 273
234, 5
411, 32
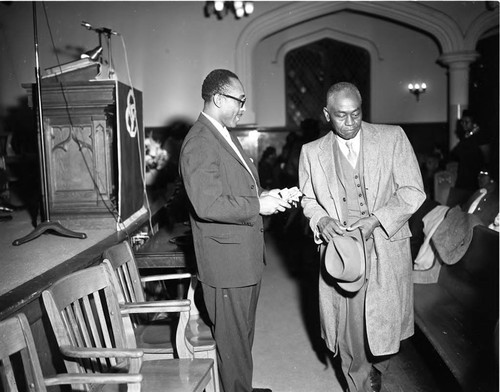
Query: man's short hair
343, 86
216, 83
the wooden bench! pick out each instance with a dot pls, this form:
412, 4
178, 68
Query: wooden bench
458, 315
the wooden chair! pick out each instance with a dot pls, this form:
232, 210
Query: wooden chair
155, 339
88, 323
17, 347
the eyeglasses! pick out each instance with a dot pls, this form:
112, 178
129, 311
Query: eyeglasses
241, 101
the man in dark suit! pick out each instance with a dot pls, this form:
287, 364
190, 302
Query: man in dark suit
227, 202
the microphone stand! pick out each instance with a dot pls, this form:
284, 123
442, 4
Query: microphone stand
46, 224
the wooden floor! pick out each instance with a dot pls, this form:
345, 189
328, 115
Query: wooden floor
289, 353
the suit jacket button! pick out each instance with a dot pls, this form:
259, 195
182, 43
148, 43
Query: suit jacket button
261, 229
252, 186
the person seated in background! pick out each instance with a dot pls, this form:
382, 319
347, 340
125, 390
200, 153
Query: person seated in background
289, 161
484, 202
469, 153
268, 168
156, 159
429, 166
162, 154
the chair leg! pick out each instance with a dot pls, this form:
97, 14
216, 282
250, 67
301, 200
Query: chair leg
214, 385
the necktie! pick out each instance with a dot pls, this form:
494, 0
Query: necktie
351, 154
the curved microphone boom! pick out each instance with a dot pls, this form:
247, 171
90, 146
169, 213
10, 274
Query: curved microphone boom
100, 30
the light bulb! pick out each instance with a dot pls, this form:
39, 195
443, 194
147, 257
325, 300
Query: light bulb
219, 6
410, 87
248, 7
239, 12
423, 86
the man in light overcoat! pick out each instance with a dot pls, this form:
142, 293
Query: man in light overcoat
366, 176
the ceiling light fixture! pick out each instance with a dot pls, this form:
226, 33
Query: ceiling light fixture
222, 8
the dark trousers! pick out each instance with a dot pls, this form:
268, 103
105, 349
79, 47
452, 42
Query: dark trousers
232, 313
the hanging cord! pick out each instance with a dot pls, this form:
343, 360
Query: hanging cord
112, 210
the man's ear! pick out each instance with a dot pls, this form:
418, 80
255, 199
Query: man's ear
217, 99
327, 115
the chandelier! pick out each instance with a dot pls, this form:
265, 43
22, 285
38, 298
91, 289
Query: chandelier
222, 8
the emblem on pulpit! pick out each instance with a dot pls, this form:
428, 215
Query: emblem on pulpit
131, 114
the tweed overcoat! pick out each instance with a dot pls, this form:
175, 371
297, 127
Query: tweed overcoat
394, 191
228, 232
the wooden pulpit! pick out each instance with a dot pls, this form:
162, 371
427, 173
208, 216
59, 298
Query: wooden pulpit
94, 144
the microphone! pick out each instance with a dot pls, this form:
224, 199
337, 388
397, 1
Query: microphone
104, 30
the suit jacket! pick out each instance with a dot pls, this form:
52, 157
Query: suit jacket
227, 228
394, 191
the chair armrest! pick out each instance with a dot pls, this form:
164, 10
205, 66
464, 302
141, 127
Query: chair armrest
181, 305
155, 278
76, 378
96, 352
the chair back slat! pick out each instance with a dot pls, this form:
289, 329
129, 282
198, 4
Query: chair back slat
125, 288
28, 368
94, 334
107, 340
130, 281
20, 369
8, 378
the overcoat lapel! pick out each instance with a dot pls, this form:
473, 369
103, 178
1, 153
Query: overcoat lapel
248, 161
371, 151
327, 162
226, 145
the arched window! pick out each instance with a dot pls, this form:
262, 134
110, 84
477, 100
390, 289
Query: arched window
310, 70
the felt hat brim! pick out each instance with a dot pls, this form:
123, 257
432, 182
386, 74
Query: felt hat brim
345, 260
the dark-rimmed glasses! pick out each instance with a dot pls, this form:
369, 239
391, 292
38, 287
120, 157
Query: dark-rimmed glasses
241, 101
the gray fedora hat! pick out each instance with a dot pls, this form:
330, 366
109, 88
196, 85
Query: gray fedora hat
345, 260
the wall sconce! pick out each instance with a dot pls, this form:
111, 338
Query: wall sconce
222, 8
417, 89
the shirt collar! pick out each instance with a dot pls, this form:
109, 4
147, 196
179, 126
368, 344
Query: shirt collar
222, 130
356, 142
